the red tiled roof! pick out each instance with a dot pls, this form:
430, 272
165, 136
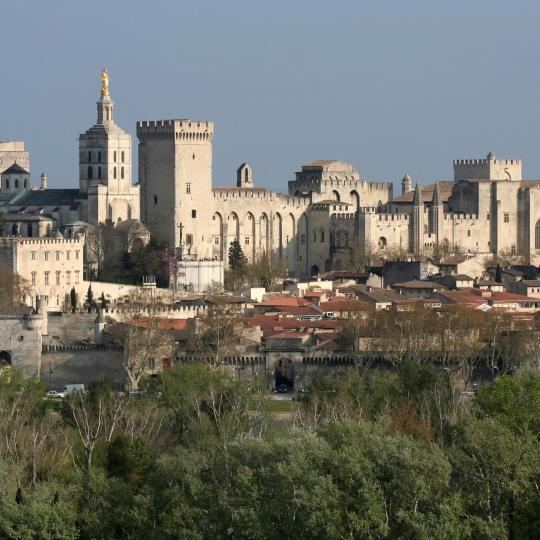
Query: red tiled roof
278, 301
342, 305
164, 324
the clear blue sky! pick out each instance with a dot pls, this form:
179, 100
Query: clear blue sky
393, 87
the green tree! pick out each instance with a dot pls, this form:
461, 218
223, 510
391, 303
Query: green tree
237, 259
89, 302
73, 299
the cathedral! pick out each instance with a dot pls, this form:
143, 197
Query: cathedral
328, 213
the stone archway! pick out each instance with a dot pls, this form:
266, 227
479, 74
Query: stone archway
284, 372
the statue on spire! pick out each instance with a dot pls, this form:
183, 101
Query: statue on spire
105, 83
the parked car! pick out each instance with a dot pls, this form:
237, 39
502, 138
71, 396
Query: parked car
53, 394
72, 388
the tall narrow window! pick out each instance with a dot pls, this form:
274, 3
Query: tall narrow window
16, 183
188, 188
122, 156
114, 173
194, 213
189, 239
99, 157
99, 172
68, 278
34, 278
507, 217
46, 278
122, 173
89, 157
114, 156
90, 172
58, 277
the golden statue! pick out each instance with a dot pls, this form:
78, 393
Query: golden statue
105, 83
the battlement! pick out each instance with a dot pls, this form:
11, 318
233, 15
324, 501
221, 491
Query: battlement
8, 240
166, 312
463, 217
50, 349
487, 161
185, 130
259, 193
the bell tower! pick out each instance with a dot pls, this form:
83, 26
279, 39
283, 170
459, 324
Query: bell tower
105, 165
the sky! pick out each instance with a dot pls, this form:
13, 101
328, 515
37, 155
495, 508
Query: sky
393, 87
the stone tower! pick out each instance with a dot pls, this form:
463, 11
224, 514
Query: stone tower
175, 175
105, 166
417, 221
406, 184
437, 213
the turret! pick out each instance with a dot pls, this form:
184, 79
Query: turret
417, 221
99, 327
244, 176
43, 181
406, 185
437, 213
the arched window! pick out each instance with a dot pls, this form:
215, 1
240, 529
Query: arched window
537, 235
382, 242
246, 176
114, 156
114, 172
90, 175
7, 184
99, 172
122, 156
89, 157
16, 183
122, 173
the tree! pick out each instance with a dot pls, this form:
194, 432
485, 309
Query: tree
95, 415
498, 273
14, 289
103, 302
218, 333
265, 271
73, 299
237, 259
142, 334
90, 303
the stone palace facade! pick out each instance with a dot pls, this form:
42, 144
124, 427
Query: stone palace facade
328, 212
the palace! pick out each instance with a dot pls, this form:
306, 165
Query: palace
328, 213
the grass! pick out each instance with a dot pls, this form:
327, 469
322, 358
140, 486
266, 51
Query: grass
283, 405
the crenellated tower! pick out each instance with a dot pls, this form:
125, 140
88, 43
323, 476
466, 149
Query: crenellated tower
175, 175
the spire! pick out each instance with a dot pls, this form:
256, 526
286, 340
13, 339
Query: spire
417, 200
406, 184
437, 195
105, 104
43, 181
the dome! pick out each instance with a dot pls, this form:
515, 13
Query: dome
491, 156
407, 178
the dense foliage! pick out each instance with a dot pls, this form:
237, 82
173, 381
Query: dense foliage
200, 455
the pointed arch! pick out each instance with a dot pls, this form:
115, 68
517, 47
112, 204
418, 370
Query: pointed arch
335, 196
250, 241
218, 236
277, 235
264, 234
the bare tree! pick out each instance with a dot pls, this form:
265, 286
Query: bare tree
143, 335
95, 415
218, 333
